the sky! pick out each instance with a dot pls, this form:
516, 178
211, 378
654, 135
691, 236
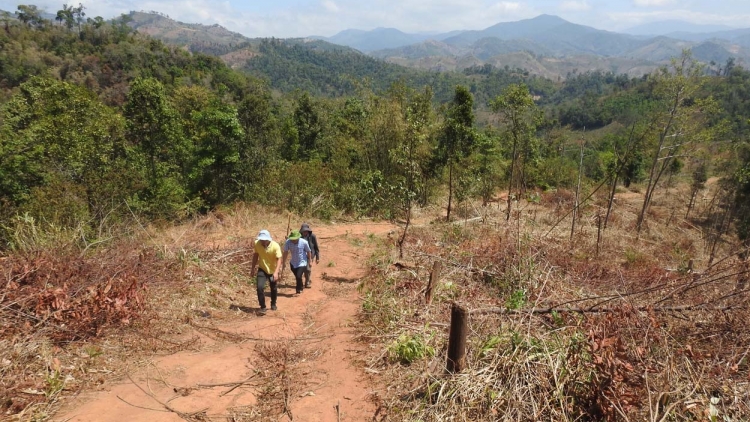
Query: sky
301, 18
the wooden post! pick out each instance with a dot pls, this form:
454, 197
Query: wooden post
434, 276
457, 338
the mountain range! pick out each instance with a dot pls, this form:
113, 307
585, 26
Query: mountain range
674, 26
546, 45
548, 36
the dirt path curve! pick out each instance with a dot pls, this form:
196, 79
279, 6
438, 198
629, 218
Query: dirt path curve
323, 358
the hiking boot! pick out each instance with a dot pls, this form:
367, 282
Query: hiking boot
262, 311
308, 284
273, 307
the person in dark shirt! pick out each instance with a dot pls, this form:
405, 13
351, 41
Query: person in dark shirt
308, 235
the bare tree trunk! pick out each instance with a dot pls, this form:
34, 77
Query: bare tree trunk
691, 203
450, 191
724, 224
669, 194
578, 193
611, 199
616, 175
710, 223
598, 231
403, 236
653, 175
510, 180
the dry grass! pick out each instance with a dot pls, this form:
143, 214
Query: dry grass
289, 376
57, 309
636, 361
633, 363
71, 318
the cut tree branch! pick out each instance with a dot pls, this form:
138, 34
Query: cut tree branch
679, 308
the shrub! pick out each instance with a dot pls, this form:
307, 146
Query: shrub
410, 348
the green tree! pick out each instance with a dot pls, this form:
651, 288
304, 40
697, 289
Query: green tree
740, 182
309, 128
260, 149
349, 125
31, 16
520, 117
458, 138
58, 136
153, 125
71, 16
215, 173
680, 119
385, 130
6, 19
487, 166
411, 156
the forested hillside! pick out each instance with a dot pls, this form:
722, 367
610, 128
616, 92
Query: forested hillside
134, 174
214, 40
100, 121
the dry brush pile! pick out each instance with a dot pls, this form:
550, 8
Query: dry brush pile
54, 307
561, 330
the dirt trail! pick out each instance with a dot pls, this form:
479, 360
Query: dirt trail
321, 318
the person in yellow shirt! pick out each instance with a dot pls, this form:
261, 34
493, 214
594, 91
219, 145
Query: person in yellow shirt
267, 256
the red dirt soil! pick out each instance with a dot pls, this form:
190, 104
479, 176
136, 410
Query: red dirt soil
328, 309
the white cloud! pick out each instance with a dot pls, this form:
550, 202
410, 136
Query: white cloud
506, 6
575, 6
651, 3
330, 6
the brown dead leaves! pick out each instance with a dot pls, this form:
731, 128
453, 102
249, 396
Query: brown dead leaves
72, 297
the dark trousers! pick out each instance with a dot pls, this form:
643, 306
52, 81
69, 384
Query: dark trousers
298, 272
308, 272
262, 278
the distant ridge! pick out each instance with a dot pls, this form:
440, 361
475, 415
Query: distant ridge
526, 28
552, 36
381, 38
209, 39
545, 45
668, 27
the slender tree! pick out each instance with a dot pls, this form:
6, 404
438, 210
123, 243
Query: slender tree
699, 178
458, 138
680, 120
410, 156
520, 116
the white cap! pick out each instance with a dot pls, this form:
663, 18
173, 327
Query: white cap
264, 235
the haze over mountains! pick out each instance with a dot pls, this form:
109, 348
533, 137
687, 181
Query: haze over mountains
546, 45
674, 26
551, 36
